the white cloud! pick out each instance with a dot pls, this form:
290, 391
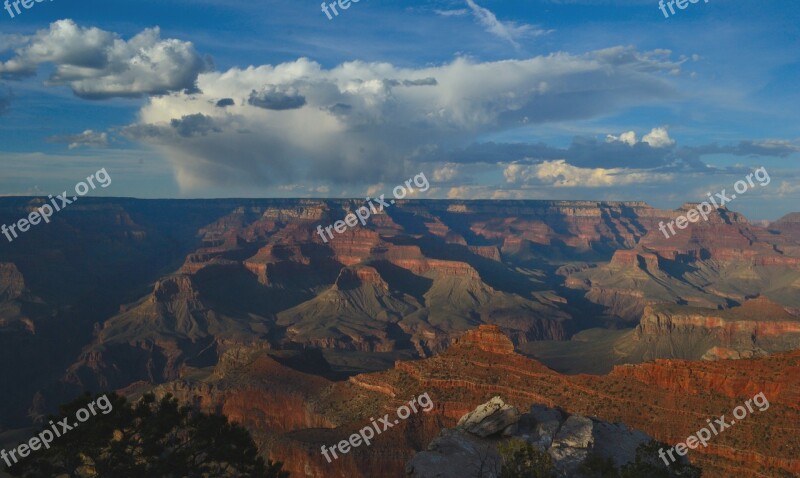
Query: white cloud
453, 13
787, 189
656, 138
559, 173
88, 138
493, 192
99, 64
364, 123
446, 173
509, 31
779, 146
375, 190
627, 138
460, 192
508, 194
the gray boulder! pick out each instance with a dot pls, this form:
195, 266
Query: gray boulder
492, 417
456, 454
547, 422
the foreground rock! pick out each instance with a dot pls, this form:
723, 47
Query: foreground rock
574, 443
492, 417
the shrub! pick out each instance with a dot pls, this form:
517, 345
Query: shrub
596, 466
149, 438
523, 460
648, 464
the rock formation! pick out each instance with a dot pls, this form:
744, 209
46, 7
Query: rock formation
569, 440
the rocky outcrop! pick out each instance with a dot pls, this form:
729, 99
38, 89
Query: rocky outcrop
788, 224
488, 338
627, 304
569, 440
667, 399
351, 277
409, 281
293, 414
422, 273
12, 284
354, 245
489, 418
756, 328
175, 288
278, 405
489, 252
712, 263
631, 258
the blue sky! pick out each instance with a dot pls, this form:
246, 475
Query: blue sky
567, 99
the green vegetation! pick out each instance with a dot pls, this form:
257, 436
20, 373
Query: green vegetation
149, 438
523, 460
596, 466
648, 465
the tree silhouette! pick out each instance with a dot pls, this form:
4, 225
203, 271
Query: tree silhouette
149, 438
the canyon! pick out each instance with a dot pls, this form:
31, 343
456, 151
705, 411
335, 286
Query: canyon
292, 413
237, 306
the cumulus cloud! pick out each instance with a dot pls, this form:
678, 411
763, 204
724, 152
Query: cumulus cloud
656, 138
370, 122
657, 151
628, 138
100, 64
459, 192
10, 41
623, 151
561, 174
88, 138
446, 173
